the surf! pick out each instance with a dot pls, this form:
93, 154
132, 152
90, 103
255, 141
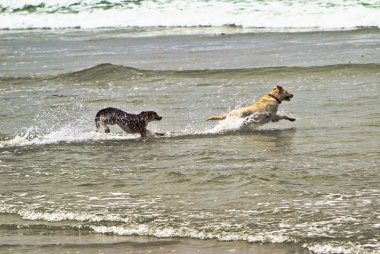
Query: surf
88, 14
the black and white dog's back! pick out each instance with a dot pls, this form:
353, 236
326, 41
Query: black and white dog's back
131, 123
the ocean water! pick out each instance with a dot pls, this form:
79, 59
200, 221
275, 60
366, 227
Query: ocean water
294, 14
309, 186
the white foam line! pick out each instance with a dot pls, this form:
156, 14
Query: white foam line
61, 136
146, 230
350, 248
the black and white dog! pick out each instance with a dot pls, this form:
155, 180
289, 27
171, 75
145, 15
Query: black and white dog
130, 123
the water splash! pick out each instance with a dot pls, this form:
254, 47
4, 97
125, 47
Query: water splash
249, 123
68, 124
66, 134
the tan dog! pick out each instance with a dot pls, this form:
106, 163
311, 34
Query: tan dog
268, 105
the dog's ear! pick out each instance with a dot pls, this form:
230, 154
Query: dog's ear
280, 88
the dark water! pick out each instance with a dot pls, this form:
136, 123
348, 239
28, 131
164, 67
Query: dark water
307, 186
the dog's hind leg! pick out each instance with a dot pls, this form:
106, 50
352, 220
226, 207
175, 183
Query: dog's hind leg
99, 121
106, 129
222, 117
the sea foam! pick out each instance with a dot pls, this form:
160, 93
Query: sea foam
321, 14
64, 134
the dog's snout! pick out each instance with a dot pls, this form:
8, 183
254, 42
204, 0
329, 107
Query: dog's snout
291, 95
159, 118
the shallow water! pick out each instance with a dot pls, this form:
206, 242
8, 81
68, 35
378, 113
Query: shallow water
295, 187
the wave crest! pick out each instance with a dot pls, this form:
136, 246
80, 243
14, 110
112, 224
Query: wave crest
321, 14
104, 71
109, 72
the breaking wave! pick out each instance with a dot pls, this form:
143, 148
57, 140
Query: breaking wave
115, 224
321, 14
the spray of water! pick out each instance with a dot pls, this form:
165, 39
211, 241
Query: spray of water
49, 128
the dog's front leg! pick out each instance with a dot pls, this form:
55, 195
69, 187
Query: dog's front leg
143, 133
288, 118
285, 118
274, 117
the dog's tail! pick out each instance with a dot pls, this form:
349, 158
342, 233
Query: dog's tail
218, 118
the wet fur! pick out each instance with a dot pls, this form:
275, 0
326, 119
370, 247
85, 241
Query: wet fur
267, 104
130, 123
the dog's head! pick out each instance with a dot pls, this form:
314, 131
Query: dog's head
150, 116
281, 93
